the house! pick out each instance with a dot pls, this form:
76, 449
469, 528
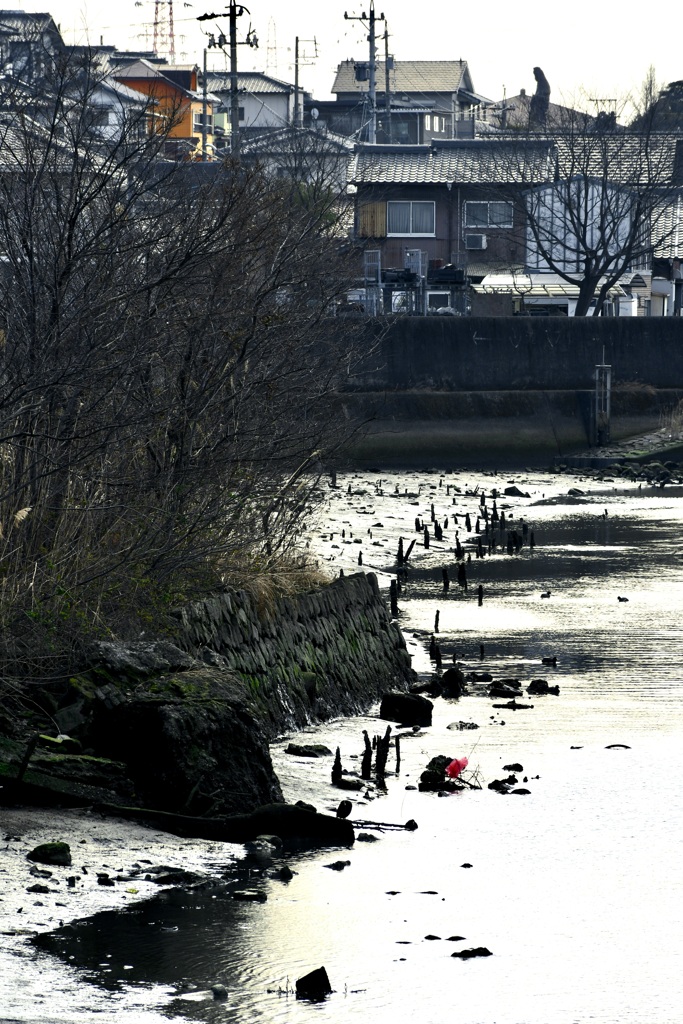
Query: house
428, 213
527, 221
27, 44
416, 101
302, 154
265, 103
179, 105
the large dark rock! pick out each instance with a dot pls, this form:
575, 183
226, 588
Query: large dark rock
314, 986
51, 853
541, 686
406, 709
189, 745
453, 682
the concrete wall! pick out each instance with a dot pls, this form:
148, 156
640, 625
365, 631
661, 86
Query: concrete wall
330, 652
516, 353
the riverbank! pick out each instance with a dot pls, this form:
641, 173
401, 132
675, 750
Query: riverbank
523, 875
116, 865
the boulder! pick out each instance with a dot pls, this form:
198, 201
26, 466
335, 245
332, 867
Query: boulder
453, 683
51, 853
189, 744
406, 709
540, 687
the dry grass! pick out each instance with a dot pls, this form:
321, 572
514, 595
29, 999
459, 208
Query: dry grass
671, 421
279, 577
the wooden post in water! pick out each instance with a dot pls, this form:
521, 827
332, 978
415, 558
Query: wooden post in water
381, 755
366, 763
393, 598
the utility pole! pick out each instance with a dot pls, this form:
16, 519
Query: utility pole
297, 119
372, 64
388, 67
234, 97
234, 12
296, 83
205, 97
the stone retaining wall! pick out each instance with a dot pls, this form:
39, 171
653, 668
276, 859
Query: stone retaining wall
310, 657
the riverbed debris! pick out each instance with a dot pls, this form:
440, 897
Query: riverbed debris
314, 987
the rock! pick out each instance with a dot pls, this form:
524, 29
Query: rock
104, 879
453, 682
338, 865
617, 746
514, 767
481, 677
178, 876
540, 687
366, 837
514, 706
308, 750
433, 778
514, 492
38, 887
249, 895
51, 853
467, 954
504, 690
219, 992
135, 659
285, 873
314, 986
460, 726
406, 708
433, 938
190, 743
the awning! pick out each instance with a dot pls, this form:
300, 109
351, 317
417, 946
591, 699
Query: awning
534, 286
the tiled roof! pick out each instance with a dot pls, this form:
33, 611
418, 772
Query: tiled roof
624, 158
411, 76
668, 232
454, 162
250, 81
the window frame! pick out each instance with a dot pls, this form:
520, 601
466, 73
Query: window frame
490, 225
411, 233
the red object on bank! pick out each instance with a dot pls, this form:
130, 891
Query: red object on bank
455, 767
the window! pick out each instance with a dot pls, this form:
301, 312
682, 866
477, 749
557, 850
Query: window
198, 120
428, 122
488, 215
410, 218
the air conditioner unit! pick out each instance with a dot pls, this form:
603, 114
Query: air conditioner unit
475, 241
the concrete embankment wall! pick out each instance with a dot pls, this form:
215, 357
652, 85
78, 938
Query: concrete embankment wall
305, 658
457, 389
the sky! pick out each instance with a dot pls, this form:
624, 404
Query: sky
587, 49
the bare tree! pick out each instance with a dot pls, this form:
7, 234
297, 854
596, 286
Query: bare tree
599, 201
169, 362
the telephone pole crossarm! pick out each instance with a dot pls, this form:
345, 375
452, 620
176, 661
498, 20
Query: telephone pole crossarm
234, 12
372, 90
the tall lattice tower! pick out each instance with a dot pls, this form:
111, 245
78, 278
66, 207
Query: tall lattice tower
164, 34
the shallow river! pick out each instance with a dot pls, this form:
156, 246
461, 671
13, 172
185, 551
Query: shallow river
575, 888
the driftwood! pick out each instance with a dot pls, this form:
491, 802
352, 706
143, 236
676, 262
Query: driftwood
284, 820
